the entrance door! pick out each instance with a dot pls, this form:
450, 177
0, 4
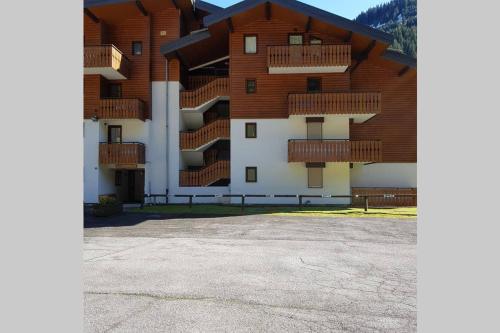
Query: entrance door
131, 185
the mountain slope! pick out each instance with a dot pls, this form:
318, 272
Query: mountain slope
397, 17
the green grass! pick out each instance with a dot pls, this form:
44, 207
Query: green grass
310, 211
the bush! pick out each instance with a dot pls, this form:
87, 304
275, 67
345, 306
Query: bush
107, 206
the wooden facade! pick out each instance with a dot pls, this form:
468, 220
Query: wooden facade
122, 24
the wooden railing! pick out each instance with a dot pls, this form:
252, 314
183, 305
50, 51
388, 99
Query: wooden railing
308, 55
389, 196
106, 56
215, 88
198, 81
334, 151
122, 153
121, 108
205, 176
214, 130
335, 103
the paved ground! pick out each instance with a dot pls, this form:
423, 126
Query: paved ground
249, 274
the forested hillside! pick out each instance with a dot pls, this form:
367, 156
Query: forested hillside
397, 17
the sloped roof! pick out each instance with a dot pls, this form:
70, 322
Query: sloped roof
187, 40
207, 7
302, 8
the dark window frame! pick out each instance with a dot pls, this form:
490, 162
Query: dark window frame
246, 175
320, 85
110, 94
247, 125
134, 43
246, 86
245, 43
296, 34
110, 127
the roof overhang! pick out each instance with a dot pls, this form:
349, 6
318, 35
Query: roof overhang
304, 9
207, 7
185, 41
400, 58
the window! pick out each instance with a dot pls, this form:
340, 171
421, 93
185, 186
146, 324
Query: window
250, 130
118, 178
251, 174
136, 48
251, 86
315, 177
250, 44
115, 90
315, 41
295, 39
114, 134
313, 85
314, 128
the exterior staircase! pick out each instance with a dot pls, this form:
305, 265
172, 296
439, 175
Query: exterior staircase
218, 129
206, 175
191, 99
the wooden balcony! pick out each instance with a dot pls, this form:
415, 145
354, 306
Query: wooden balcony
118, 108
334, 151
191, 99
293, 59
107, 61
122, 153
205, 176
350, 103
218, 129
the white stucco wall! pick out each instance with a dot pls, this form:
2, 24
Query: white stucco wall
384, 175
269, 153
173, 164
90, 161
156, 151
133, 130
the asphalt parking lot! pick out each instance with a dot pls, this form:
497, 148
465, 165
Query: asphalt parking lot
146, 273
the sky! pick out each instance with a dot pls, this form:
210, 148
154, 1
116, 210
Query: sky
346, 8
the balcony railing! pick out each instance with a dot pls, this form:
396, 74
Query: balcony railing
330, 58
334, 151
335, 103
122, 153
215, 88
205, 176
121, 108
218, 129
106, 60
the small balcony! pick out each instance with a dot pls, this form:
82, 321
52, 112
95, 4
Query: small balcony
106, 60
360, 106
132, 153
296, 59
121, 108
334, 151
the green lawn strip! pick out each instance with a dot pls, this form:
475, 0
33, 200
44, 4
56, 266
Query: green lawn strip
312, 211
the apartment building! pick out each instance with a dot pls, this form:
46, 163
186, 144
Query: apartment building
262, 97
